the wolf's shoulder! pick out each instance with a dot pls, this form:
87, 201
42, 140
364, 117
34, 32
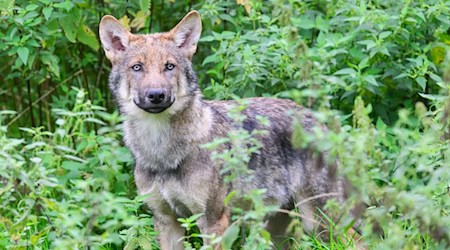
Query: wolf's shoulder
263, 106
280, 112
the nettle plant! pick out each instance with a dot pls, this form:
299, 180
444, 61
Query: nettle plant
386, 52
233, 153
56, 184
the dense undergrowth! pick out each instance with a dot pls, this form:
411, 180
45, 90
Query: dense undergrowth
377, 72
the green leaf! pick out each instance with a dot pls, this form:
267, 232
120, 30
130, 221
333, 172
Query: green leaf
67, 5
371, 79
70, 24
304, 23
144, 243
145, 6
422, 82
131, 245
52, 62
229, 197
435, 77
86, 36
433, 97
31, 7
385, 34
346, 71
23, 53
47, 12
380, 125
230, 236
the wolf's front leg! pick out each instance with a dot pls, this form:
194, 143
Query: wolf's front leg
214, 225
170, 231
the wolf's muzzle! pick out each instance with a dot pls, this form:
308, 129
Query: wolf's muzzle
154, 100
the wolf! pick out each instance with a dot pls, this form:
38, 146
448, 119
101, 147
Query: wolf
167, 121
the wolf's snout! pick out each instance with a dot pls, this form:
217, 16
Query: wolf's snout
156, 96
154, 100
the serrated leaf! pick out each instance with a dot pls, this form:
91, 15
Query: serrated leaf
139, 20
145, 6
23, 53
229, 236
144, 243
125, 21
67, 5
47, 12
131, 245
69, 28
52, 62
70, 24
86, 36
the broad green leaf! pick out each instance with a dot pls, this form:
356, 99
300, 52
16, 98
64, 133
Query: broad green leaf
304, 23
145, 6
132, 244
70, 24
47, 12
139, 20
52, 62
67, 5
23, 53
437, 54
125, 21
435, 77
346, 71
144, 242
31, 7
433, 97
422, 82
86, 36
371, 79
385, 34
229, 236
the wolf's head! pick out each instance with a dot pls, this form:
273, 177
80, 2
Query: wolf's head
152, 73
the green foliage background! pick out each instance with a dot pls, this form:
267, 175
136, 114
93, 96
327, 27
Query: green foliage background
377, 72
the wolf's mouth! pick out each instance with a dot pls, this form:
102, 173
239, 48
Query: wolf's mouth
154, 109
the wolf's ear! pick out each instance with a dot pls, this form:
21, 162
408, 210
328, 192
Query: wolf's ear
114, 37
187, 32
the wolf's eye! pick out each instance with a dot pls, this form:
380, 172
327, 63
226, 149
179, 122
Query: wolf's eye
170, 66
136, 67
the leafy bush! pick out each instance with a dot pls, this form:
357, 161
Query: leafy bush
376, 72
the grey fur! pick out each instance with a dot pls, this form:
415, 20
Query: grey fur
169, 162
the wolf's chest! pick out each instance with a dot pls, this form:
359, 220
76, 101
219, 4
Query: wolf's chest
155, 145
185, 198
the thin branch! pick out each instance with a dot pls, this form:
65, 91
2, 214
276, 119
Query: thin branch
316, 197
42, 97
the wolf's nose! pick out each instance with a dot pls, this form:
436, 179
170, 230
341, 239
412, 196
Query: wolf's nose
156, 96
